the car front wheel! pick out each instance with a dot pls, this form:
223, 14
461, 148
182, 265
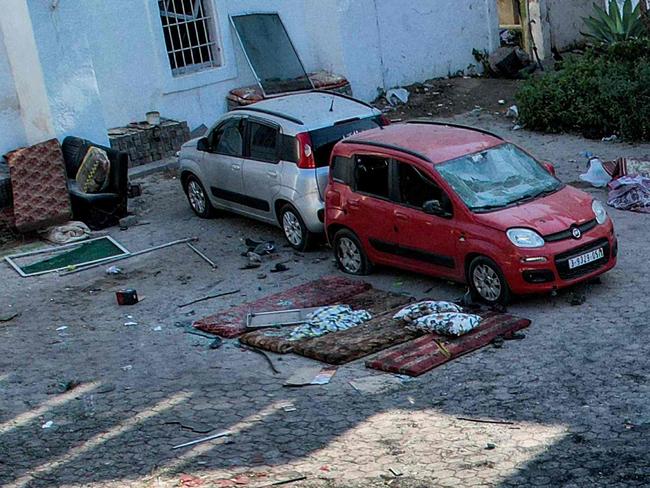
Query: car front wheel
487, 283
198, 198
349, 254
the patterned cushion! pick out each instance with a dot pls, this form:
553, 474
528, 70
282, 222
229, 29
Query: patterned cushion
39, 186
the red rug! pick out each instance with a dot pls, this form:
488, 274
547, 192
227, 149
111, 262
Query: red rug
427, 352
329, 290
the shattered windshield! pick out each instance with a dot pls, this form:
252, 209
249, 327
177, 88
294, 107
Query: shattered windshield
497, 178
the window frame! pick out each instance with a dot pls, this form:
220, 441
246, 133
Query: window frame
391, 176
241, 120
248, 139
204, 12
423, 174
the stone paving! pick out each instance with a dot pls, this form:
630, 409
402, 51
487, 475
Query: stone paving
570, 401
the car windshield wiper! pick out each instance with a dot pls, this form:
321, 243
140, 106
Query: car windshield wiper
485, 208
532, 196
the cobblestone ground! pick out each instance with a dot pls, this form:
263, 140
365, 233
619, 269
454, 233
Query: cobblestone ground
575, 392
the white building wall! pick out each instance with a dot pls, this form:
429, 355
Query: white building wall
104, 62
12, 132
566, 22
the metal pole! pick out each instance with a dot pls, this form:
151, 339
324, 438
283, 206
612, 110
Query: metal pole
137, 253
205, 258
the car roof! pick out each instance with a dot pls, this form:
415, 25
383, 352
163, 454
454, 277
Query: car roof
434, 141
302, 112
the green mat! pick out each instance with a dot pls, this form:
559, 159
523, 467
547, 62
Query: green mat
83, 253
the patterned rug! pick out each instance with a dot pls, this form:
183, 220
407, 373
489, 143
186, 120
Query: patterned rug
377, 334
39, 186
276, 339
432, 350
329, 290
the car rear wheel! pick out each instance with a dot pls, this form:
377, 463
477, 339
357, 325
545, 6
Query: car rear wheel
295, 230
198, 198
349, 254
487, 283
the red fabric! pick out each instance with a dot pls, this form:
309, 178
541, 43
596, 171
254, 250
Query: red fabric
424, 354
39, 186
318, 293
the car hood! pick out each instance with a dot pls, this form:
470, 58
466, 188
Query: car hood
547, 215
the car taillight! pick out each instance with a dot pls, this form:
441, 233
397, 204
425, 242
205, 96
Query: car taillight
305, 152
383, 120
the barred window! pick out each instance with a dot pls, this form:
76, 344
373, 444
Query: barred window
190, 35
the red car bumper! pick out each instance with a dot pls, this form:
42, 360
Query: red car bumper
543, 270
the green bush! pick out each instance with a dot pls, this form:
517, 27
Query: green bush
602, 93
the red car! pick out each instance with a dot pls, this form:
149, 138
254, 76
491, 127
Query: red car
462, 204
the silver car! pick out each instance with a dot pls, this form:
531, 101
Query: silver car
270, 160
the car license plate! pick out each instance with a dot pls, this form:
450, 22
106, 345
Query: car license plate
586, 258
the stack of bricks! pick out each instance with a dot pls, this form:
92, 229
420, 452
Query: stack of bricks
146, 143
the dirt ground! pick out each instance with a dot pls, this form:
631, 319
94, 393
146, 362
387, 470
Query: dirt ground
574, 392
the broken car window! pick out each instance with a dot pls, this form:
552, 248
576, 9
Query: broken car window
264, 140
228, 138
415, 188
371, 175
323, 140
498, 177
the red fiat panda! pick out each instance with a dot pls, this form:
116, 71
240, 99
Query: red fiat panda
463, 204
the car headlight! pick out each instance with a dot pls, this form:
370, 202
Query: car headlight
525, 238
599, 212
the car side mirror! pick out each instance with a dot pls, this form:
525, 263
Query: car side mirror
549, 167
203, 144
433, 207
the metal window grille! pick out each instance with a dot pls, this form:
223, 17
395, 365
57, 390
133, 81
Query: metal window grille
189, 28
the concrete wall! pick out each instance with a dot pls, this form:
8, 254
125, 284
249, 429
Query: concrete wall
104, 63
12, 132
566, 21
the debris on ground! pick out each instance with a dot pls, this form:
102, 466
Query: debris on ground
254, 261
513, 112
259, 247
261, 353
202, 255
127, 296
489, 446
612, 138
128, 221
47, 424
279, 268
73, 231
203, 439
209, 297
397, 96
395, 472
510, 62
596, 174
378, 383
311, 375
577, 299
630, 193
114, 270
9, 317
481, 421
216, 343
190, 481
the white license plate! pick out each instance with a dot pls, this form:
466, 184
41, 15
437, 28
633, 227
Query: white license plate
586, 258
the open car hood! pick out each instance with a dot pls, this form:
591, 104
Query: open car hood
546, 215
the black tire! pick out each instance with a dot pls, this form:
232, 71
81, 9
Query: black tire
294, 229
195, 192
346, 243
487, 283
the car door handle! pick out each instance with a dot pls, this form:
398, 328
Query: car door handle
272, 174
401, 216
235, 167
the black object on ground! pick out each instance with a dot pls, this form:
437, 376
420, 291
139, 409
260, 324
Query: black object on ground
216, 343
127, 297
262, 353
279, 268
